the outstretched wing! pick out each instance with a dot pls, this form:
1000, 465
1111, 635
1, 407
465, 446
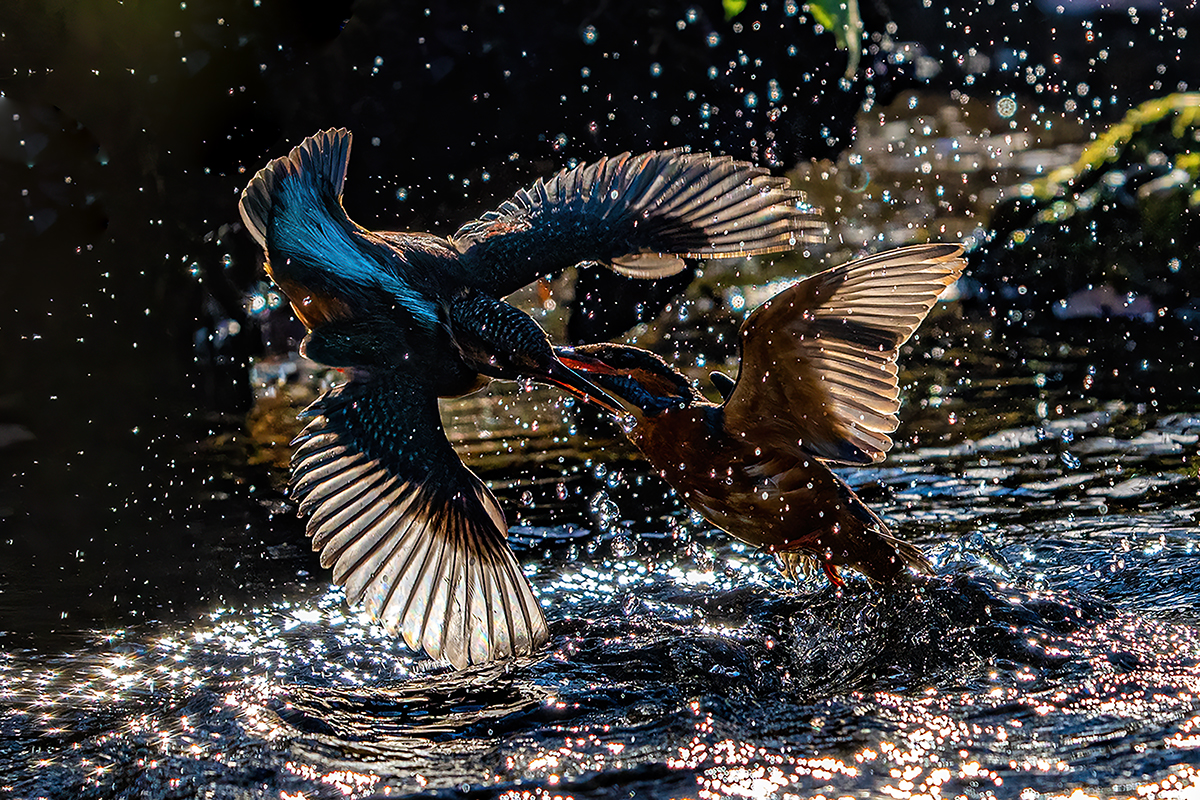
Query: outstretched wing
308, 180
640, 215
411, 532
819, 359
323, 261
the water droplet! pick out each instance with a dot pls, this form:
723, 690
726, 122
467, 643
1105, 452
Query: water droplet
623, 546
606, 511
700, 555
589, 34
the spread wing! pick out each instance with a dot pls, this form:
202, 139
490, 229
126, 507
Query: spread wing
309, 180
640, 215
412, 533
819, 359
323, 261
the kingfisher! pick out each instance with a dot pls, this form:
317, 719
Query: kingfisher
816, 386
412, 534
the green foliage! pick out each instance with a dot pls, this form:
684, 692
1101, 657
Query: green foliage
1166, 127
841, 18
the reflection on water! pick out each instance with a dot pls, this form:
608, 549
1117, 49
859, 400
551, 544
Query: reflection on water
1056, 653
1057, 649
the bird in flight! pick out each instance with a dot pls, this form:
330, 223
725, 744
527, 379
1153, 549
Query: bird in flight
817, 386
409, 531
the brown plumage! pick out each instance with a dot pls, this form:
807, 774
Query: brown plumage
817, 385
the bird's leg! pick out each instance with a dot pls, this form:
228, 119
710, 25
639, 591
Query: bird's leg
831, 572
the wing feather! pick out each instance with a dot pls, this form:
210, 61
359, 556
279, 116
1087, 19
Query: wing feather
412, 534
323, 261
818, 359
641, 215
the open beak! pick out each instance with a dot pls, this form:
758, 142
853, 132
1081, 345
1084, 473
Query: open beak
582, 362
562, 374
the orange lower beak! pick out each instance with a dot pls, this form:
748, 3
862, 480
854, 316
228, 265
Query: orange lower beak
584, 363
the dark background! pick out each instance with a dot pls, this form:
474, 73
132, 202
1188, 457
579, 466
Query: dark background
128, 128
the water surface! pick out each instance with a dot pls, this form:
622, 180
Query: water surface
1051, 478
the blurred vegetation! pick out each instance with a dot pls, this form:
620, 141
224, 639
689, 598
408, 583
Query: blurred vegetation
1125, 215
842, 19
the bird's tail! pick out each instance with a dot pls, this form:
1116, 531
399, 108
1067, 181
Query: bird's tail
306, 183
879, 554
908, 554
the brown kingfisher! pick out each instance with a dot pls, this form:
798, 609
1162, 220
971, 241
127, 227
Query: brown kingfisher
405, 526
817, 386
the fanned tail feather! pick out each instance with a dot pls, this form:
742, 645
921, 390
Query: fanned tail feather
878, 555
910, 555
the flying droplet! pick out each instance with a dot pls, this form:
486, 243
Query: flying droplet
623, 546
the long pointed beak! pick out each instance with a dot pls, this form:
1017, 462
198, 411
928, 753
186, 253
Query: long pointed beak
566, 378
581, 362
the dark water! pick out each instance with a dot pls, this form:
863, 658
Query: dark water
1057, 649
187, 645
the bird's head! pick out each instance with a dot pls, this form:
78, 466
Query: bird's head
500, 341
